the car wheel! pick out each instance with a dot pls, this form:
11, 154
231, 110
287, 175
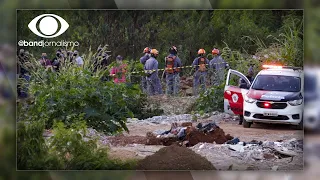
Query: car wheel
246, 124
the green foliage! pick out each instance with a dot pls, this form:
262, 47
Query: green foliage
66, 150
63, 96
128, 32
32, 152
211, 100
78, 91
78, 154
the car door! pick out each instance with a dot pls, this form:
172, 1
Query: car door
233, 94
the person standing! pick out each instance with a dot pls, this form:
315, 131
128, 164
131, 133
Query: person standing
218, 66
200, 64
143, 60
173, 64
118, 72
44, 61
78, 59
151, 69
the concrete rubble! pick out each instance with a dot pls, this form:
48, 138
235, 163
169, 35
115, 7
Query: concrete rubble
169, 119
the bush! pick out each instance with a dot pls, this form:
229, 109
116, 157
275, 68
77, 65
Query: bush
32, 151
78, 154
65, 95
211, 100
66, 150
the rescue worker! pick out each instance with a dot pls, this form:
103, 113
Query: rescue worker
217, 66
172, 63
143, 60
151, 69
118, 72
200, 64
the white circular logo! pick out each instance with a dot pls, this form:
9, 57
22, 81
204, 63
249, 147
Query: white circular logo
235, 98
48, 25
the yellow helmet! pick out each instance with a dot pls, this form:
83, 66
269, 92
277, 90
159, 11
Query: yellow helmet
154, 51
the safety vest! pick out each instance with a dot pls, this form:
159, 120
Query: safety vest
202, 64
170, 65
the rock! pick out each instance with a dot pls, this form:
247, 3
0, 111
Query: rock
201, 146
257, 155
234, 154
277, 144
286, 152
274, 168
293, 139
268, 156
269, 144
226, 116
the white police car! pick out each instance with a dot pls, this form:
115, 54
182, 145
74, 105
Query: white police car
275, 96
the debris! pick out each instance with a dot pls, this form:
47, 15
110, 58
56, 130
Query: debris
159, 132
255, 142
269, 156
237, 147
201, 146
234, 141
182, 134
286, 152
274, 168
268, 144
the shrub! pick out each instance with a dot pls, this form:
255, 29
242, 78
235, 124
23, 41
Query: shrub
32, 151
66, 150
210, 100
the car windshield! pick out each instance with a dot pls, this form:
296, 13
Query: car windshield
277, 83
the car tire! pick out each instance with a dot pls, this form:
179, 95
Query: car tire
246, 124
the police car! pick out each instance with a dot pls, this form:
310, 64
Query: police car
275, 96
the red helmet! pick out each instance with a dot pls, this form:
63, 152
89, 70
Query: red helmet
215, 51
201, 51
146, 50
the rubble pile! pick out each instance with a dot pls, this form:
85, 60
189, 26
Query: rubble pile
175, 158
187, 135
169, 119
254, 150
